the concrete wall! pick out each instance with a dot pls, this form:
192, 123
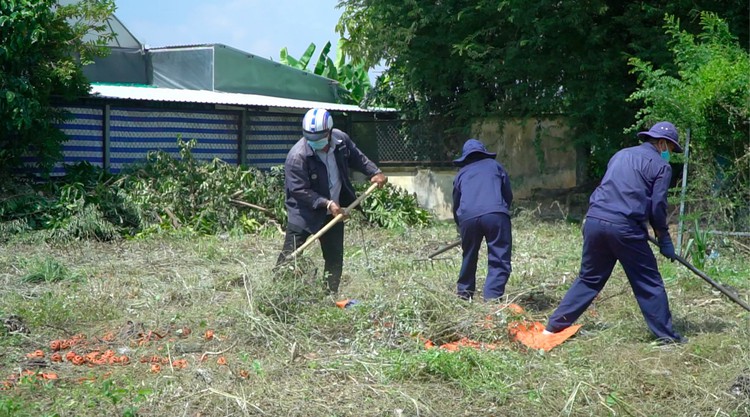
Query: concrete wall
434, 188
514, 144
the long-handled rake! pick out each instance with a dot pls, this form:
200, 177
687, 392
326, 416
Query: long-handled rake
432, 257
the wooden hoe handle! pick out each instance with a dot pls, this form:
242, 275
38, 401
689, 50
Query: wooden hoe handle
333, 222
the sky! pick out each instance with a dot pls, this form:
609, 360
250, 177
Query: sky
259, 27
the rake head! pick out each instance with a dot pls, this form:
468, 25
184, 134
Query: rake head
442, 262
432, 258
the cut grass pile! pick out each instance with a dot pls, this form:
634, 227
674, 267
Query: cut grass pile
209, 330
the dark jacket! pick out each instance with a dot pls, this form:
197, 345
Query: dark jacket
306, 180
634, 190
481, 187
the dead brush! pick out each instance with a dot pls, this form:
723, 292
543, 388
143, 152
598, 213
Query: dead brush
296, 287
425, 310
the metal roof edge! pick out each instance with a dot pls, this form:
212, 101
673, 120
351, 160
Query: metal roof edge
150, 93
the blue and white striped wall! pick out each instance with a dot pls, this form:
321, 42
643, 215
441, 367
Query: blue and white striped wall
270, 136
135, 132
85, 133
113, 137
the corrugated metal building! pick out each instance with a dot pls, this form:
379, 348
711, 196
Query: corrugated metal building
239, 107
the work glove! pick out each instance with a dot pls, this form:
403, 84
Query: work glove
666, 248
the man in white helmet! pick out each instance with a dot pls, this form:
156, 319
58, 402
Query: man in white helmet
316, 175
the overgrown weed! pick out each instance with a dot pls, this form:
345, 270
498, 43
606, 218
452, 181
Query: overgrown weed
289, 351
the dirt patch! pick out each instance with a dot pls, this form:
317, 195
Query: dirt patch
537, 301
14, 324
741, 386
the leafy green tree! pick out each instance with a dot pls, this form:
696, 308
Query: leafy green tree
352, 78
710, 95
453, 62
43, 46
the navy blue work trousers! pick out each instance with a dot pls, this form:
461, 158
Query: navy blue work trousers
605, 243
495, 229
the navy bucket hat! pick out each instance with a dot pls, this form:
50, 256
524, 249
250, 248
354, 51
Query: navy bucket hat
663, 130
473, 146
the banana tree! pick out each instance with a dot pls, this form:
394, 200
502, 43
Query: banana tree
354, 79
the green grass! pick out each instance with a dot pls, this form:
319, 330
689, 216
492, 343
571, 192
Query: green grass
289, 351
47, 269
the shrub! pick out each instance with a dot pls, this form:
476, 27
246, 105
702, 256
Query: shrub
165, 193
392, 207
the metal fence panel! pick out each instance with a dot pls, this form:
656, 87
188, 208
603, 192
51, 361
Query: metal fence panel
399, 142
391, 146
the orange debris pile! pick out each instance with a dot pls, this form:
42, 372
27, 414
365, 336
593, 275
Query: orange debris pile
528, 333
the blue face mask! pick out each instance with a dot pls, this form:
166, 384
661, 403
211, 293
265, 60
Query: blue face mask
318, 144
665, 155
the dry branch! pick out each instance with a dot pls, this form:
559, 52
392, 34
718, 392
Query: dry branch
253, 206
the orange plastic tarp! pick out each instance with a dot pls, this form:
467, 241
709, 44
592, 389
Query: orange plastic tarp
346, 303
530, 334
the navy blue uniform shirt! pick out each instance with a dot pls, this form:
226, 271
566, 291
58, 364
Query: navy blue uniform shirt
306, 180
479, 188
634, 190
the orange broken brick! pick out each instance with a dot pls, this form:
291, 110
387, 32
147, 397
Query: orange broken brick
35, 354
92, 357
179, 364
221, 361
465, 342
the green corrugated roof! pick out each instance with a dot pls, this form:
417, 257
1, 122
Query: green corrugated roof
223, 68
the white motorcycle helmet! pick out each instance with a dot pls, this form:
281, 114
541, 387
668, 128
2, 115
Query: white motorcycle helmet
316, 124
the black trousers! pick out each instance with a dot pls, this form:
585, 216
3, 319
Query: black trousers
331, 243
